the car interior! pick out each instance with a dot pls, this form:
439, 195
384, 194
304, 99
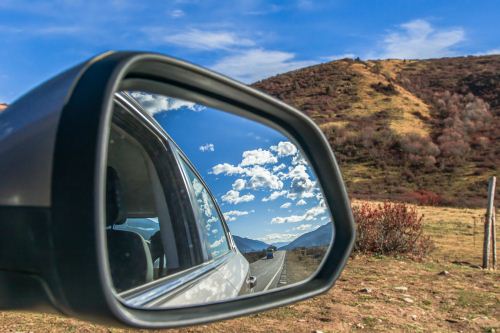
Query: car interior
135, 210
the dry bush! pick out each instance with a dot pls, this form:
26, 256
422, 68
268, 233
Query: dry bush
419, 150
426, 198
390, 229
386, 89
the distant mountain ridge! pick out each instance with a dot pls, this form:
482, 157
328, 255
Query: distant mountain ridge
319, 237
249, 245
280, 244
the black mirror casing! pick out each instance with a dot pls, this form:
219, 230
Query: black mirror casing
53, 253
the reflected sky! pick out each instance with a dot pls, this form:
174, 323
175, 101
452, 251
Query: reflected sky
262, 183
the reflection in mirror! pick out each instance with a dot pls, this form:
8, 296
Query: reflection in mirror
203, 205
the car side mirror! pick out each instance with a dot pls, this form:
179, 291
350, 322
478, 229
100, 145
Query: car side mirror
123, 183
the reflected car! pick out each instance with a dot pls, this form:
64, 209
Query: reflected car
162, 250
269, 253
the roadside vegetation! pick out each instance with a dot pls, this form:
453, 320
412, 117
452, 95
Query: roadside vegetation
390, 229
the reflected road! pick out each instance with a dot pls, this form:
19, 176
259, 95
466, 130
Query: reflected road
267, 271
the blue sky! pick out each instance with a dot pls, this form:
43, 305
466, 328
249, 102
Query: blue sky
248, 40
265, 188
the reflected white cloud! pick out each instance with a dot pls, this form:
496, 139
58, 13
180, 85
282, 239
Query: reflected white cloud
258, 157
207, 147
232, 214
274, 195
303, 227
286, 205
233, 197
309, 215
284, 148
158, 103
278, 237
239, 184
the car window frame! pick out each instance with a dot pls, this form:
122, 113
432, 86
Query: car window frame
227, 235
151, 293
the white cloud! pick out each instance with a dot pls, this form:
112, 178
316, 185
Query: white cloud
279, 167
284, 148
153, 103
53, 30
227, 169
202, 40
274, 195
217, 243
309, 215
232, 214
258, 157
303, 227
489, 52
286, 205
176, 13
418, 39
278, 237
261, 178
207, 147
301, 202
256, 64
301, 185
233, 197
239, 184
339, 56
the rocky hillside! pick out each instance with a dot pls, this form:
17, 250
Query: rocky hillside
419, 130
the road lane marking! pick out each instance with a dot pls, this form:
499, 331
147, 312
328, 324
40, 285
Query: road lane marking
277, 272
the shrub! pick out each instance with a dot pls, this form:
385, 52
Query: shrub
426, 198
419, 150
386, 89
391, 229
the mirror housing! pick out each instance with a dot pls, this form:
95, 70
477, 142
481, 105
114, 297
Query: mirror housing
53, 148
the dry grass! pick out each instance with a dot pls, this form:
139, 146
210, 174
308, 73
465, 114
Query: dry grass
301, 264
401, 107
466, 300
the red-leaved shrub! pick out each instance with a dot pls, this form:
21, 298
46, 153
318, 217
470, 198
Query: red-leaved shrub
426, 198
390, 228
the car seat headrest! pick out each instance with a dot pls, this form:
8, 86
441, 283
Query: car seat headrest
115, 205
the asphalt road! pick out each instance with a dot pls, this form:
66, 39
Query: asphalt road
267, 271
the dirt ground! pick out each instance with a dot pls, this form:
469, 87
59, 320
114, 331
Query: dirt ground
446, 292
301, 264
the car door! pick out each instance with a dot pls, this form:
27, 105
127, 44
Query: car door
214, 233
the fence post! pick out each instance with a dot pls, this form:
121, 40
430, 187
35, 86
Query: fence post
488, 223
493, 240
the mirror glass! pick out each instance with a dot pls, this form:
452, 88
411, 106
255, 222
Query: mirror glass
203, 205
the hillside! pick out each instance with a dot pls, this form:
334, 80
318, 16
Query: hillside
249, 245
416, 130
319, 237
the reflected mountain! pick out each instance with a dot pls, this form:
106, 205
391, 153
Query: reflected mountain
246, 245
280, 244
319, 237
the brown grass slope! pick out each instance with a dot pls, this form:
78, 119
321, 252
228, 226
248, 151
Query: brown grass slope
418, 130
